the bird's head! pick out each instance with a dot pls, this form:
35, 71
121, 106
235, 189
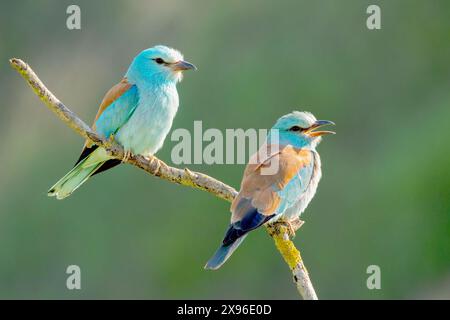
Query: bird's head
299, 129
159, 63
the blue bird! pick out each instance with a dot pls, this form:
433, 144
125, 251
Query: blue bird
279, 181
137, 113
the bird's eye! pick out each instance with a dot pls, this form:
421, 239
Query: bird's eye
159, 60
295, 129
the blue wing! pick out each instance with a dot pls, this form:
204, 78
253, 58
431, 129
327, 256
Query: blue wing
295, 187
118, 112
116, 108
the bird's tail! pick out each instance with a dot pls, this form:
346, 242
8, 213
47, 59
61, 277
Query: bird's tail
234, 236
223, 253
79, 174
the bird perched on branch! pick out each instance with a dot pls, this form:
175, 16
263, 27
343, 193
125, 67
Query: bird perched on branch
279, 181
137, 113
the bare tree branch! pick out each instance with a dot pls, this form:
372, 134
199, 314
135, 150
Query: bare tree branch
158, 168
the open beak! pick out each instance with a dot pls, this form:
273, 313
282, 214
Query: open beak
319, 123
183, 65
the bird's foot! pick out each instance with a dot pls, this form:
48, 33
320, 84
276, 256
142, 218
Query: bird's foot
126, 156
292, 226
150, 158
290, 229
159, 163
296, 223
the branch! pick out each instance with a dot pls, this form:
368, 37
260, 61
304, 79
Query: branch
291, 255
153, 166
158, 168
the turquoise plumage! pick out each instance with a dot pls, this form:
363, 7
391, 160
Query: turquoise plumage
284, 193
138, 112
118, 112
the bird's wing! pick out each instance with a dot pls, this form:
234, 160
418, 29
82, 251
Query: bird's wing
263, 195
296, 186
115, 109
115, 92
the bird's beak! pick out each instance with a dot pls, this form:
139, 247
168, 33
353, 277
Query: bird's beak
183, 65
318, 124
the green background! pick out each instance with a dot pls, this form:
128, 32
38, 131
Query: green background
383, 200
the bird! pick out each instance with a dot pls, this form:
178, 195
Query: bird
279, 181
137, 113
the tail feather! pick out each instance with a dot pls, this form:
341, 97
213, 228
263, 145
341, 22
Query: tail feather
223, 253
106, 165
79, 174
234, 236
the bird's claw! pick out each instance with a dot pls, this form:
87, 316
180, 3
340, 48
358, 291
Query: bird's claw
290, 229
296, 223
126, 156
152, 158
292, 226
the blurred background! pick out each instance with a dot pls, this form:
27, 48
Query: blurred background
384, 198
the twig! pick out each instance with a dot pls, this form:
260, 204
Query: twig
159, 169
291, 255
